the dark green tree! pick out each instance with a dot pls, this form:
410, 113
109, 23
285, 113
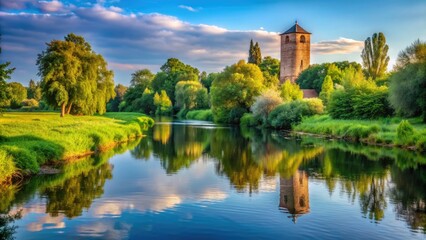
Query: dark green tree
120, 91
255, 55
407, 86
142, 78
375, 56
34, 90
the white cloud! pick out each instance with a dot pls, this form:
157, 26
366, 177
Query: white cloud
50, 6
339, 46
191, 9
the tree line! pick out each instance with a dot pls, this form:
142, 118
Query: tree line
76, 80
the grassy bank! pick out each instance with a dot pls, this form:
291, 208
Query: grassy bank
375, 132
29, 140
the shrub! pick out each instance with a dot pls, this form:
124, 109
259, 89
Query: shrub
288, 114
315, 105
202, 115
404, 132
30, 103
265, 103
249, 120
290, 91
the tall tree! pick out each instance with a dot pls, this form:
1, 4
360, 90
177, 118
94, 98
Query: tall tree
34, 90
16, 93
142, 78
255, 55
375, 55
74, 77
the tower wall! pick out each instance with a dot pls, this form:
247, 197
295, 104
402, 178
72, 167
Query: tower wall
295, 55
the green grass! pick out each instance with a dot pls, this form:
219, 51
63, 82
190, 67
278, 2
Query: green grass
376, 132
28, 140
202, 115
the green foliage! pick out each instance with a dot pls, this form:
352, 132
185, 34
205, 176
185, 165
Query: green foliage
270, 68
74, 77
359, 98
375, 55
30, 103
291, 113
142, 78
16, 93
5, 73
404, 132
249, 120
315, 105
326, 89
208, 81
202, 115
30, 139
191, 95
34, 90
113, 105
234, 90
265, 103
407, 85
314, 75
162, 103
291, 91
255, 55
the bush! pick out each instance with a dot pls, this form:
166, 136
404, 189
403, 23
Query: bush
288, 114
265, 103
30, 103
249, 120
202, 115
404, 133
315, 105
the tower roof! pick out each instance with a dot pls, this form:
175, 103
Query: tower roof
296, 29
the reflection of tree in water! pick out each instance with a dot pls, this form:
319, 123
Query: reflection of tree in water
409, 196
180, 146
7, 229
78, 192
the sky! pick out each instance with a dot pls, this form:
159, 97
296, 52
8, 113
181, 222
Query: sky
209, 35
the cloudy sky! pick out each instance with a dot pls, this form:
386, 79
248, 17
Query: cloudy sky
135, 34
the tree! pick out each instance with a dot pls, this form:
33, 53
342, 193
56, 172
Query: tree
191, 95
207, 81
327, 89
255, 55
120, 91
314, 75
16, 93
142, 78
171, 73
375, 55
145, 104
74, 77
162, 103
34, 90
5, 73
270, 68
407, 86
265, 103
290, 91
234, 90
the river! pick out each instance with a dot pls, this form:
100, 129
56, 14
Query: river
190, 179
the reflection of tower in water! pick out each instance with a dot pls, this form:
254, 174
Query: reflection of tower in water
294, 194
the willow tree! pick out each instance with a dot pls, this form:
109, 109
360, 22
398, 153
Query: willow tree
375, 55
74, 77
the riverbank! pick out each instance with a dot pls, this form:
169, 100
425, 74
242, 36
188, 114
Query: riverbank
29, 140
373, 132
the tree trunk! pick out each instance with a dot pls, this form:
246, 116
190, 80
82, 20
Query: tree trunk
63, 110
69, 108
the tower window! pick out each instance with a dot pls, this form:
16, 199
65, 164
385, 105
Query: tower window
302, 39
287, 39
301, 64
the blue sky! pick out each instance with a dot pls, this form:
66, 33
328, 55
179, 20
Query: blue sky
134, 34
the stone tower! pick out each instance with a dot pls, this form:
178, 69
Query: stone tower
294, 194
295, 52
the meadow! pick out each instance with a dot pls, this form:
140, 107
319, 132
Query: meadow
29, 140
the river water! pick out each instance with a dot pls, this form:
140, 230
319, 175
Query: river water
196, 180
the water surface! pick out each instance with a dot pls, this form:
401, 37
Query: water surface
197, 180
